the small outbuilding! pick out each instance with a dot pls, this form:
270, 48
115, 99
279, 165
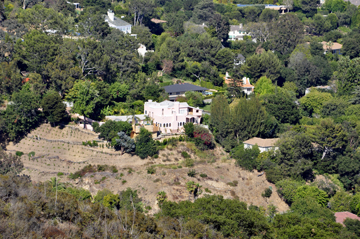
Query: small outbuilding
263, 144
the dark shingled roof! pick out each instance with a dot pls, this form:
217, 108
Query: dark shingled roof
183, 87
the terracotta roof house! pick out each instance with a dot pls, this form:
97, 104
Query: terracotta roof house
341, 216
117, 23
334, 47
264, 144
245, 84
179, 89
154, 20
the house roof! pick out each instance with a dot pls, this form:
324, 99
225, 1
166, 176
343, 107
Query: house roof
341, 216
334, 45
183, 87
245, 83
127, 118
262, 142
165, 104
240, 57
355, 2
117, 21
237, 28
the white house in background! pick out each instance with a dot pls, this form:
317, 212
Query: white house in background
117, 23
142, 50
263, 144
320, 87
237, 32
245, 84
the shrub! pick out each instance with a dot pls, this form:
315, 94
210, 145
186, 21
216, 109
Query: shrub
156, 156
19, 153
208, 190
161, 197
185, 154
151, 170
123, 181
203, 175
60, 174
246, 158
145, 145
191, 173
189, 129
31, 154
233, 183
189, 162
267, 193
113, 169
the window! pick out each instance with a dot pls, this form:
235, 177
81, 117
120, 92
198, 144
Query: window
145, 111
166, 125
162, 111
169, 124
197, 111
178, 93
160, 124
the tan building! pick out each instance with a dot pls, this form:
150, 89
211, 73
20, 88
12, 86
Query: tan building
263, 144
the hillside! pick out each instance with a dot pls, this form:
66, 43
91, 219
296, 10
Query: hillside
67, 155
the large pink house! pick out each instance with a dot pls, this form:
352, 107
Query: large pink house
171, 116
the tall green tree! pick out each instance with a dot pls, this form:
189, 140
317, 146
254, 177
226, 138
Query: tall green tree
53, 108
145, 145
203, 11
348, 75
84, 96
286, 33
265, 64
22, 114
330, 137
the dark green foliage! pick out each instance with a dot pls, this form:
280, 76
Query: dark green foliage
192, 173
185, 154
145, 145
22, 115
220, 213
353, 226
334, 108
246, 158
10, 163
282, 107
111, 128
286, 33
53, 108
151, 170
19, 153
203, 175
265, 64
267, 193
91, 144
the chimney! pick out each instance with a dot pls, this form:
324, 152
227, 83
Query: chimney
111, 15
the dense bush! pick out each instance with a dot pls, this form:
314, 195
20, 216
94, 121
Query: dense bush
246, 158
145, 145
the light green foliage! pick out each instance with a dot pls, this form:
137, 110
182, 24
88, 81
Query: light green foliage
313, 192
195, 99
111, 201
347, 74
161, 197
80, 194
335, 5
119, 91
85, 96
355, 204
313, 102
287, 189
264, 86
303, 48
340, 202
